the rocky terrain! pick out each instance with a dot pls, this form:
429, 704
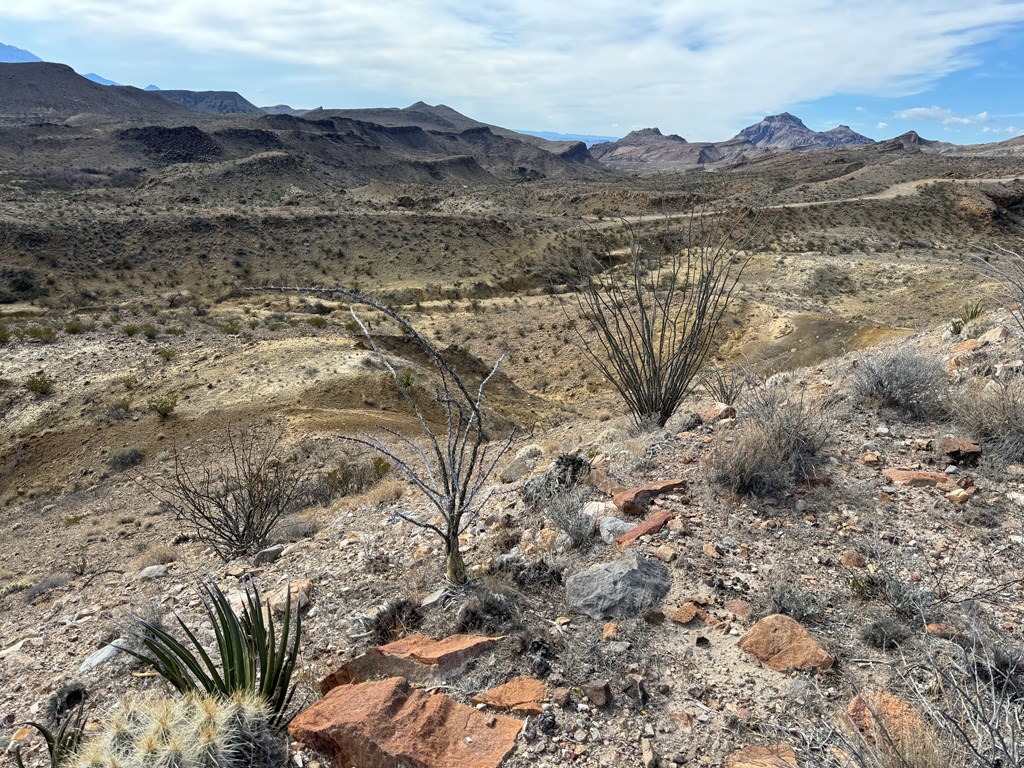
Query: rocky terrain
815, 562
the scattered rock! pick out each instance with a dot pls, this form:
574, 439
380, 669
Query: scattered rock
385, 723
609, 631
103, 655
302, 593
784, 645
417, 657
650, 525
871, 459
629, 586
960, 449
971, 345
665, 553
521, 695
960, 495
717, 412
771, 756
994, 335
611, 528
561, 697
599, 692
916, 478
886, 721
647, 757
152, 573
635, 501
268, 555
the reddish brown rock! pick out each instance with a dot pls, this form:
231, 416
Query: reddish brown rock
917, 478
611, 629
521, 695
945, 631
738, 608
717, 412
687, 613
562, 697
417, 657
599, 692
886, 721
385, 723
635, 501
784, 645
960, 449
971, 345
771, 756
960, 495
871, 458
651, 524
852, 559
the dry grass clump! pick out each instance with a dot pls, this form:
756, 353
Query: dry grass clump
156, 554
913, 385
779, 445
995, 415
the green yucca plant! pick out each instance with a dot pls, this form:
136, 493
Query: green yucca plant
61, 744
255, 656
969, 312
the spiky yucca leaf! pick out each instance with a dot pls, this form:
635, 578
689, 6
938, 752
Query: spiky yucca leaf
61, 744
253, 657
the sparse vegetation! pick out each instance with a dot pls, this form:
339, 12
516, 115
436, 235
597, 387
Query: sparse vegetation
235, 506
121, 459
163, 405
994, 413
901, 379
40, 385
654, 319
778, 445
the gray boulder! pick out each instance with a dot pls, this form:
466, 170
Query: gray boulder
612, 527
630, 586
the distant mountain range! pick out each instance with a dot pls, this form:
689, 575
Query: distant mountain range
11, 55
649, 149
587, 139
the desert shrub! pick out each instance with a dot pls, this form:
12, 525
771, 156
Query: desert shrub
564, 474
995, 415
347, 479
565, 511
235, 505
167, 353
901, 379
317, 321
125, 458
150, 331
75, 326
130, 330
783, 596
40, 385
779, 444
44, 334
5, 335
156, 554
163, 405
829, 280
725, 384
392, 622
20, 285
884, 633
44, 585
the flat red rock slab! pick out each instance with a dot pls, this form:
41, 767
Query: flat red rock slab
784, 645
522, 695
417, 657
771, 756
385, 723
916, 478
636, 500
652, 524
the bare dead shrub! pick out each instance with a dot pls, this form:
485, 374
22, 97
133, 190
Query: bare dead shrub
913, 385
234, 505
565, 511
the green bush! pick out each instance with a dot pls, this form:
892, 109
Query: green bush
76, 326
163, 405
5, 335
41, 333
40, 385
317, 321
130, 329
150, 331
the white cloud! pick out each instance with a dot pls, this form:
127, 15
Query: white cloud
882, 126
691, 67
945, 116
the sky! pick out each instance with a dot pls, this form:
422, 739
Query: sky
950, 69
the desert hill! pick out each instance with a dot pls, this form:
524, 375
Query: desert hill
11, 55
214, 102
786, 131
54, 93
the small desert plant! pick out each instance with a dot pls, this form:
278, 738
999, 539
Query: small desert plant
257, 656
125, 458
565, 511
167, 353
190, 731
234, 507
346, 479
62, 743
725, 384
163, 405
40, 385
913, 385
779, 444
41, 333
884, 633
392, 622
130, 330
5, 335
75, 326
995, 414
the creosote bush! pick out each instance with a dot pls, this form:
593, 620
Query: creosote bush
913, 385
40, 385
125, 458
778, 445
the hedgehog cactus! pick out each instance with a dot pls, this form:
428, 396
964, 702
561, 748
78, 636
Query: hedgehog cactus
191, 731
